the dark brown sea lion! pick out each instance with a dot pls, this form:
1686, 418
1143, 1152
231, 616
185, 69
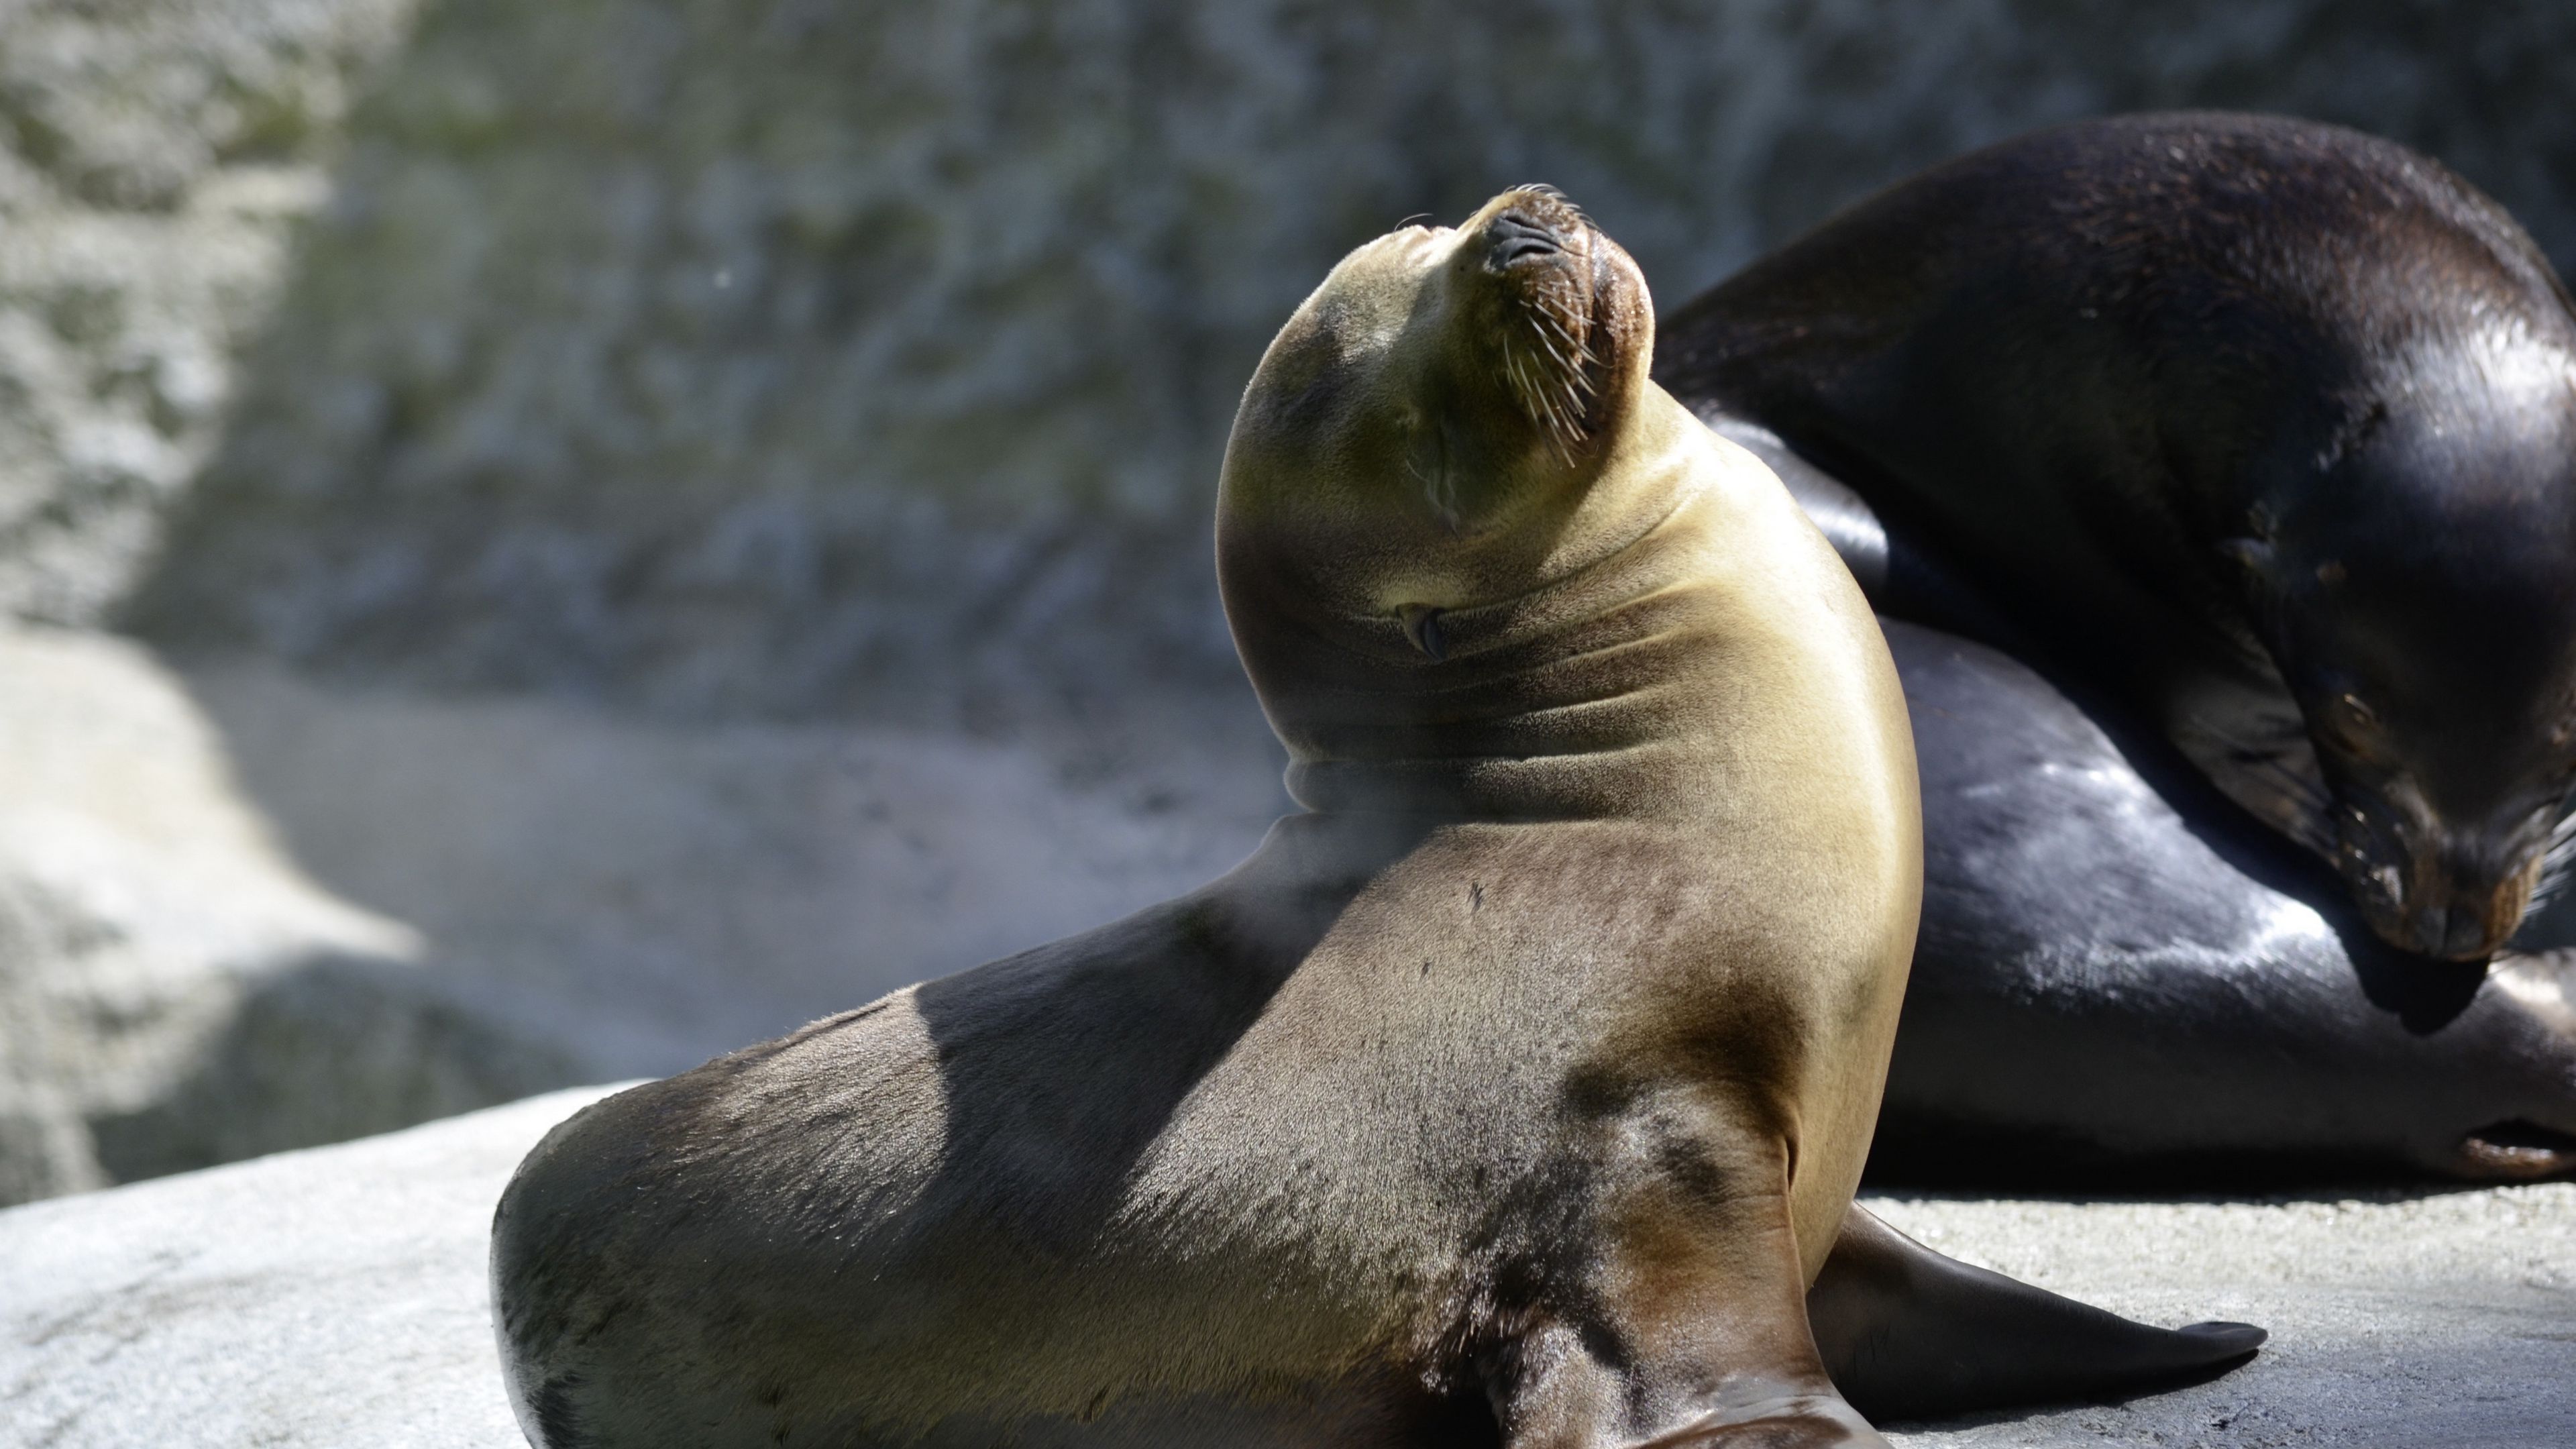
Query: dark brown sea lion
1512, 1095
2266, 429
2124, 981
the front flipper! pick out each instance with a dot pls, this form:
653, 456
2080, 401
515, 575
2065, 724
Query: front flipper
1909, 1334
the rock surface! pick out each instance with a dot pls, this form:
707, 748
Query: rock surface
651, 894
336, 1296
331, 1298
785, 355
241, 912
174, 992
154, 158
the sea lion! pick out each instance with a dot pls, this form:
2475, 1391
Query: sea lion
2265, 428
2124, 981
1512, 1094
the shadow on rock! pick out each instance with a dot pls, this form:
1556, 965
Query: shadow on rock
327, 1049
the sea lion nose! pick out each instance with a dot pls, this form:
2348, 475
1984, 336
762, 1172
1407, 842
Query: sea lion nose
2466, 935
2459, 894
2468, 912
1516, 234
2454, 932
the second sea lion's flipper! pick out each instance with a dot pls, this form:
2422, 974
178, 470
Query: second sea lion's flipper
1909, 1334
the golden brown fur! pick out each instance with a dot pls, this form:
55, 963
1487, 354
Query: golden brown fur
1514, 1094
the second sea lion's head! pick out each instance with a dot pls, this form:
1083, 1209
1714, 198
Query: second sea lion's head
2418, 594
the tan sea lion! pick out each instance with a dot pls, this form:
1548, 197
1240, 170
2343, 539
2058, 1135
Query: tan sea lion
1513, 1094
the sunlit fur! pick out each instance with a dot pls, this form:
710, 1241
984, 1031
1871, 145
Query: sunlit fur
1511, 1095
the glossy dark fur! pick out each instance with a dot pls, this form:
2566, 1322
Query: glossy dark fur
2263, 428
2122, 980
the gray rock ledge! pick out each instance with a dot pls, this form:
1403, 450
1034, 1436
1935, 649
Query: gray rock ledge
335, 1296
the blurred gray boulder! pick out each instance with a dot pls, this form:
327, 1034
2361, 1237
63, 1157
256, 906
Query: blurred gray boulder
174, 992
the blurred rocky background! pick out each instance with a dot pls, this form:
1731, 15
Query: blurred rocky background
547, 541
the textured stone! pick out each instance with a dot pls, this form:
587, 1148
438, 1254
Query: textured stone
174, 992
241, 911
337, 1296
655, 893
317, 1300
153, 158
757, 355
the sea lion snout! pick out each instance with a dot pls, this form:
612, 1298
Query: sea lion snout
1516, 234
1556, 301
2455, 895
1444, 395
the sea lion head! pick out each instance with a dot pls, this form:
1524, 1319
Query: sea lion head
2418, 591
1427, 432
1443, 384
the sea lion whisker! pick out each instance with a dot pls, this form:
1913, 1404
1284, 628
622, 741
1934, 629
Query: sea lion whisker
1542, 403
1561, 430
1559, 357
1529, 360
1562, 324
1512, 373
1564, 429
1578, 374
1534, 400
1568, 430
1538, 335
1582, 353
1543, 396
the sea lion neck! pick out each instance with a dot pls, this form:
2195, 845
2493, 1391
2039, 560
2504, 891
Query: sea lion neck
1572, 696
1479, 566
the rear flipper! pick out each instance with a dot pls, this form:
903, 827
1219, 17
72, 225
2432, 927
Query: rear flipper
1909, 1334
